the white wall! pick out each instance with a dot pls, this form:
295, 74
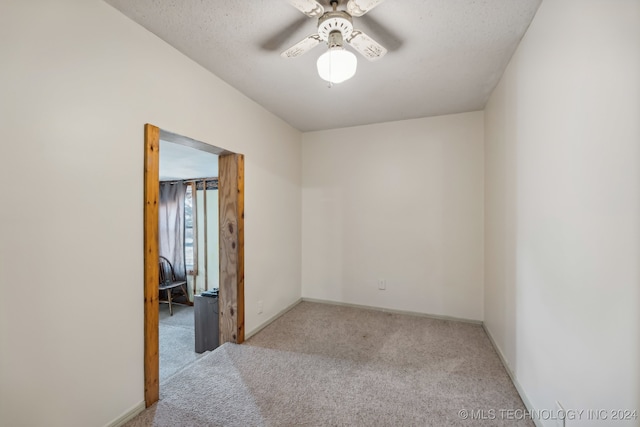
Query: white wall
563, 209
402, 201
77, 83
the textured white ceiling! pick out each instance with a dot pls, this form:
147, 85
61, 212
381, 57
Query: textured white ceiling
182, 162
445, 56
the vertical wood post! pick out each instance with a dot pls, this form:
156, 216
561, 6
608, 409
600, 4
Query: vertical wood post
231, 221
205, 224
194, 217
151, 273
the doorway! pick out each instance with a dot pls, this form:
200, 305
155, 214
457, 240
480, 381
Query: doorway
231, 247
188, 240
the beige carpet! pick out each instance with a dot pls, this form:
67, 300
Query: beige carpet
176, 339
325, 365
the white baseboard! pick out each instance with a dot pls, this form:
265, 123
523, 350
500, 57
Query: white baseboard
270, 320
128, 415
389, 310
512, 375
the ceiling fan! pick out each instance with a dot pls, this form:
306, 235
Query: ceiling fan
335, 27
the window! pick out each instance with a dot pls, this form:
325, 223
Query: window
189, 253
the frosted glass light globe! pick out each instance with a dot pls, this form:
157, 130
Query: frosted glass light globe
337, 65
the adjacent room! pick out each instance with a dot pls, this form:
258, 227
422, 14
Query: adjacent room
188, 247
446, 231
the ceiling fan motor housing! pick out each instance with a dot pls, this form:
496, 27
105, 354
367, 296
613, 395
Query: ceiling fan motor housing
335, 22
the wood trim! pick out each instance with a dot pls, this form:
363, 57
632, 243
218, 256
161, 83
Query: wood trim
151, 280
240, 214
231, 222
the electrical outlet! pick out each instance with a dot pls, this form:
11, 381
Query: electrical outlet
382, 284
259, 307
560, 415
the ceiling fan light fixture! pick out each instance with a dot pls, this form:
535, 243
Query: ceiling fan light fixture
337, 65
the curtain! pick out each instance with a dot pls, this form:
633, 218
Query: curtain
171, 232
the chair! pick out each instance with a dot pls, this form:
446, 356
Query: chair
168, 282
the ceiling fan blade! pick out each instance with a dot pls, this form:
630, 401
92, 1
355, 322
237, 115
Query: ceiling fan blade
368, 47
311, 8
302, 46
360, 7
281, 36
386, 36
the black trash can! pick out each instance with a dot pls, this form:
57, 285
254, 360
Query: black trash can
207, 329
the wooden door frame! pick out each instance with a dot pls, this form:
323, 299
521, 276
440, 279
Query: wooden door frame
231, 253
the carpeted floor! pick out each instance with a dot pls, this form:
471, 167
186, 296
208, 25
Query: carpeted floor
325, 365
177, 339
